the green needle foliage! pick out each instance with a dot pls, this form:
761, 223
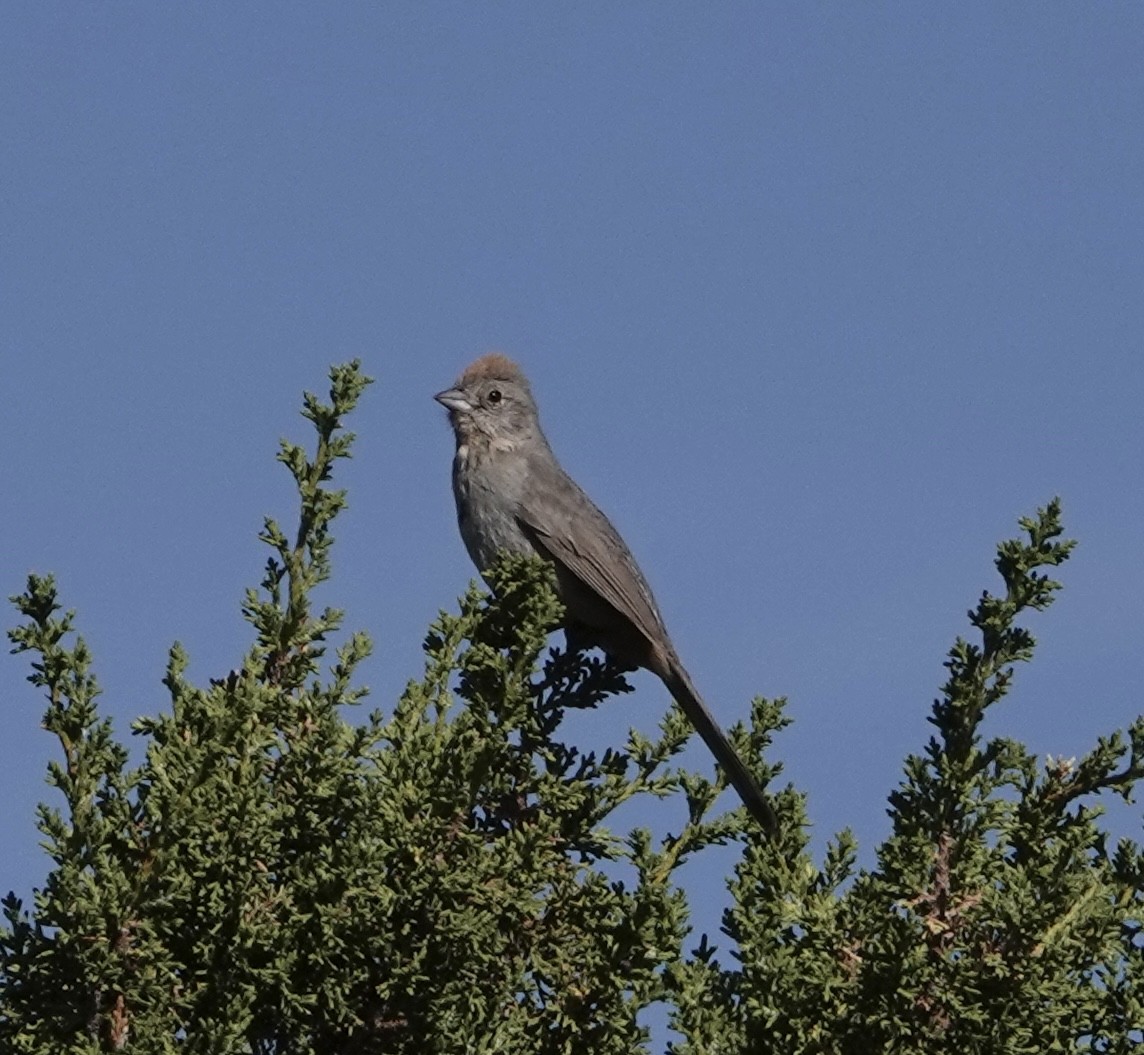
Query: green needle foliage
275, 878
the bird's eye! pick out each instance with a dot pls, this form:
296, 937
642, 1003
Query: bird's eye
494, 396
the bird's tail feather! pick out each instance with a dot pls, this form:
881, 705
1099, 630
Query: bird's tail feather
679, 684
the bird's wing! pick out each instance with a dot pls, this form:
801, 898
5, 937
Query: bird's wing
566, 525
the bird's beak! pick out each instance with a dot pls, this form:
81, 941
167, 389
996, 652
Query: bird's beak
454, 399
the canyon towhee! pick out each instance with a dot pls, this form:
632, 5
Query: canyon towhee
513, 495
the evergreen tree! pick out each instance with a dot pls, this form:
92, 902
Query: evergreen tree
275, 878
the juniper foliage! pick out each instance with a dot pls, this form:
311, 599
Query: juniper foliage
276, 878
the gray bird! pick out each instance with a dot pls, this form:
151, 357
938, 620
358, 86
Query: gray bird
513, 495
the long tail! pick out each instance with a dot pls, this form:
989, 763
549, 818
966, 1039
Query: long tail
679, 685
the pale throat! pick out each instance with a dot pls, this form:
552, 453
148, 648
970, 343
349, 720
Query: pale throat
466, 450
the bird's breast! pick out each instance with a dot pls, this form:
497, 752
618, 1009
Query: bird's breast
486, 486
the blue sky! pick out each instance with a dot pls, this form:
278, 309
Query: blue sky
816, 299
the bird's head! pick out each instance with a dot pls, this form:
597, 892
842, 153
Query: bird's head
491, 402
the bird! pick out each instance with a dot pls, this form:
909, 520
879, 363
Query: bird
513, 495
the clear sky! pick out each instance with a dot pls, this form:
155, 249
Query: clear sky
817, 299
